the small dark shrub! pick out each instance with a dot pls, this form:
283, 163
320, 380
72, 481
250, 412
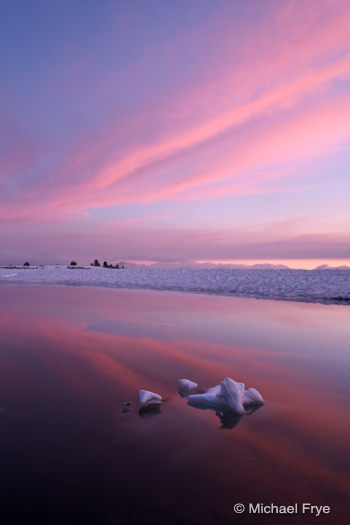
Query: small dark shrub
105, 264
73, 263
26, 263
96, 263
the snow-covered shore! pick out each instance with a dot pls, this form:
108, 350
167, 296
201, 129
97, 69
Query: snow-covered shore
323, 286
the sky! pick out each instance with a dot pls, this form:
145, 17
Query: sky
194, 130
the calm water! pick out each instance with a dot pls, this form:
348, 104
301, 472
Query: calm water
70, 358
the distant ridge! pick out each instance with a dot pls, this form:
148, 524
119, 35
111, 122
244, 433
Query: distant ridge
327, 267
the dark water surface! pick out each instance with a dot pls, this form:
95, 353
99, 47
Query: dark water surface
70, 358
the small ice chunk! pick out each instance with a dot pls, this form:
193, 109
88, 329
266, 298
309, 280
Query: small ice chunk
187, 383
252, 397
209, 399
228, 395
186, 387
148, 398
232, 392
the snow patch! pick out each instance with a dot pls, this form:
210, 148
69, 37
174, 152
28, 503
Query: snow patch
323, 286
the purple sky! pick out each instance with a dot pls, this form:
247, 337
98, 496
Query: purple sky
175, 131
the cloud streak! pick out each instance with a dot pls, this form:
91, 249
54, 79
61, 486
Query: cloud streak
153, 130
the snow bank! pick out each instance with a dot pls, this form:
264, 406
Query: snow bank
325, 286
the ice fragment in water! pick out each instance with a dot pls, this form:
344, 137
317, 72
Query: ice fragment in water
228, 395
148, 398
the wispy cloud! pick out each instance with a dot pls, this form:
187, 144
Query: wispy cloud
234, 105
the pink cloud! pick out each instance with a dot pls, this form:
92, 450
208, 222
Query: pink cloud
271, 98
254, 160
282, 97
307, 60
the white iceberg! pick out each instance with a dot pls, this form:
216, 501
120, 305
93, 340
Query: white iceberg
228, 395
148, 399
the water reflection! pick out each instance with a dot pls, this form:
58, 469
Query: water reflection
149, 411
70, 357
228, 419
